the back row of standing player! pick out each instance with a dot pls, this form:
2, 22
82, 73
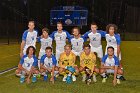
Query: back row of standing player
77, 40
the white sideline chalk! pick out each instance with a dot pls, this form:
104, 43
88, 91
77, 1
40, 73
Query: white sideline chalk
7, 70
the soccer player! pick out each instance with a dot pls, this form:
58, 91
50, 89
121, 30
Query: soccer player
27, 65
60, 37
28, 38
95, 36
77, 41
48, 64
45, 41
66, 61
88, 62
109, 65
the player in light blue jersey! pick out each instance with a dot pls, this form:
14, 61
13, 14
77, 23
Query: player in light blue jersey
28, 64
60, 37
77, 41
28, 38
95, 36
110, 65
48, 64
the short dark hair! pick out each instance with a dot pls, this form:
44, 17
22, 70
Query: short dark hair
110, 47
45, 29
31, 21
86, 45
76, 28
49, 48
93, 23
111, 25
34, 50
59, 23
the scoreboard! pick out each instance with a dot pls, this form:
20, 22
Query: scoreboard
69, 16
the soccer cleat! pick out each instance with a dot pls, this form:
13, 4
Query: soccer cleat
88, 81
34, 79
104, 80
54, 78
64, 78
73, 78
122, 78
84, 77
94, 78
45, 77
22, 78
68, 79
118, 81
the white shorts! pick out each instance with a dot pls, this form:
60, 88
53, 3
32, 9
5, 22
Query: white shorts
98, 50
41, 53
110, 71
57, 55
77, 53
24, 51
115, 52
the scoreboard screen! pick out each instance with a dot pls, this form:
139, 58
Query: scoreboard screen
69, 15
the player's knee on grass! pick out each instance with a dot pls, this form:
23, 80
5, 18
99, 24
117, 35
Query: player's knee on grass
102, 70
120, 72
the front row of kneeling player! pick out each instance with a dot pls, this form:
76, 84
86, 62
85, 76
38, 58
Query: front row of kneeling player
67, 66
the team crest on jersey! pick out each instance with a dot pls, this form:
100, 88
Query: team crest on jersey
109, 40
27, 64
94, 38
32, 38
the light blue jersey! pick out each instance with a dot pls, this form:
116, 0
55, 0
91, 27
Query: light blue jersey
27, 62
45, 42
113, 40
29, 38
95, 38
77, 43
48, 62
110, 62
60, 39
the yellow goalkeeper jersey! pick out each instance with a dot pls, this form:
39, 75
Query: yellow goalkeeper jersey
88, 60
67, 60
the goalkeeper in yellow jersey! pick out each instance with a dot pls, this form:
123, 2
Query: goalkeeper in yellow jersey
67, 65
88, 64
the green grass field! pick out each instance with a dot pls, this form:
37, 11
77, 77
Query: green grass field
9, 83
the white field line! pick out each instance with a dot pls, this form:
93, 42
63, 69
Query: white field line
5, 71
